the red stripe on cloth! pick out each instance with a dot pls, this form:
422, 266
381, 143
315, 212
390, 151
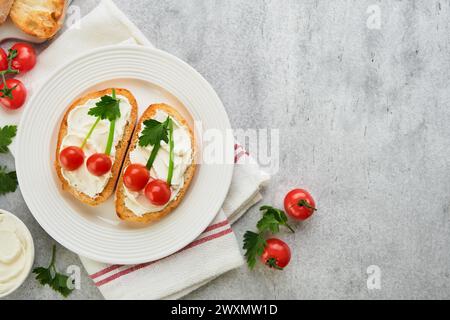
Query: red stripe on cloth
143, 265
216, 225
106, 270
116, 266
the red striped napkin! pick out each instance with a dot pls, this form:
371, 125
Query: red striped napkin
216, 249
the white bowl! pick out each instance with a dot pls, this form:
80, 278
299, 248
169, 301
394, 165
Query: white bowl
30, 266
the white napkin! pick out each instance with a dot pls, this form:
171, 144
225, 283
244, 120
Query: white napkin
216, 249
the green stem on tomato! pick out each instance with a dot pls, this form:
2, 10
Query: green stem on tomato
171, 147
90, 133
304, 203
272, 263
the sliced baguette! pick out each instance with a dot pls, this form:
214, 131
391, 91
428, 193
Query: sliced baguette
5, 7
39, 18
122, 211
121, 147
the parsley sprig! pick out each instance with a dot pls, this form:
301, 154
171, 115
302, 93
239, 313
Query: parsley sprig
8, 181
254, 242
50, 276
108, 108
154, 132
7, 133
272, 219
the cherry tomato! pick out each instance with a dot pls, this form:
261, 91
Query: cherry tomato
136, 177
3, 60
299, 204
276, 254
71, 158
26, 57
12, 96
99, 164
158, 192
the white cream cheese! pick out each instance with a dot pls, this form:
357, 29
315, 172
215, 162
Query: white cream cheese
136, 201
78, 125
16, 253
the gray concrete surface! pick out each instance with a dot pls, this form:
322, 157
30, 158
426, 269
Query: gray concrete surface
364, 125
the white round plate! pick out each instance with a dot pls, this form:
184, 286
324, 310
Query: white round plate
96, 232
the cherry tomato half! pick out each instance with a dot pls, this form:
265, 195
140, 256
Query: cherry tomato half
26, 57
299, 204
158, 192
3, 60
71, 158
12, 96
276, 254
136, 177
99, 164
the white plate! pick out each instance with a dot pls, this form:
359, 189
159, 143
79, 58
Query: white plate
152, 76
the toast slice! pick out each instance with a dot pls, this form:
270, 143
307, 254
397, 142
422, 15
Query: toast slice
121, 147
39, 18
122, 211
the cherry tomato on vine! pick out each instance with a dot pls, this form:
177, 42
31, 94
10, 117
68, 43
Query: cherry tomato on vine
13, 95
71, 158
158, 192
25, 60
299, 204
99, 164
276, 254
3, 60
136, 177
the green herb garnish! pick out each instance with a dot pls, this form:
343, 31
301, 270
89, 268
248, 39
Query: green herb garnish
8, 181
154, 132
49, 276
108, 108
7, 133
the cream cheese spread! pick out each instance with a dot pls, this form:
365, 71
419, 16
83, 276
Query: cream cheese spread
78, 125
16, 253
183, 157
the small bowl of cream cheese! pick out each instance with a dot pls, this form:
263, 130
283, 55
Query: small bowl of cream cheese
16, 253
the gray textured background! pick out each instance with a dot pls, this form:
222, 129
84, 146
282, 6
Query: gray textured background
364, 125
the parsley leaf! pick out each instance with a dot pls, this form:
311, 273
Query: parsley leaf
8, 181
7, 133
272, 219
49, 276
153, 133
106, 108
255, 244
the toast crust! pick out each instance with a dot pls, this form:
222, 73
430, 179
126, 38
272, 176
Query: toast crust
40, 20
122, 211
121, 147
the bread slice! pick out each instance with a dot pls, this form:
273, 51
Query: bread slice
122, 211
5, 7
121, 147
39, 18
